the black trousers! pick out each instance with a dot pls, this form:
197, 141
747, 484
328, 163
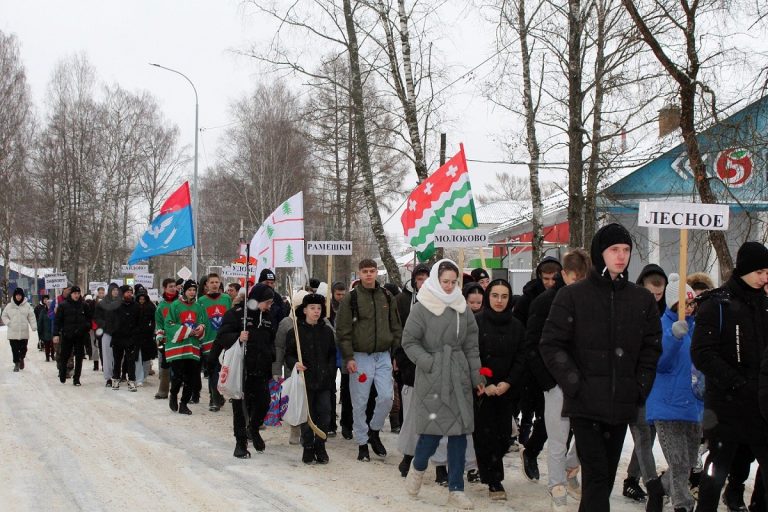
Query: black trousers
722, 451
183, 374
18, 349
346, 403
740, 468
319, 409
493, 426
124, 361
538, 436
599, 448
253, 407
66, 347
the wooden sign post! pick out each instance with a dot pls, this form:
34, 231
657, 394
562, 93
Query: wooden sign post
684, 216
330, 249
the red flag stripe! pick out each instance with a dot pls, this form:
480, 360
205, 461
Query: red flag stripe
179, 199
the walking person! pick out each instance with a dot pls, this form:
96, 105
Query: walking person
215, 304
279, 367
71, 328
728, 344
672, 407
170, 294
124, 339
440, 337
45, 329
601, 342
367, 329
258, 339
19, 316
104, 318
502, 355
146, 348
318, 351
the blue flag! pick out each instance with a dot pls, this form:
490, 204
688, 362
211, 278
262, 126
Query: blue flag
170, 231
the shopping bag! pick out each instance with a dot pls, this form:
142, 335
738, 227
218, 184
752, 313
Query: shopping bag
278, 403
293, 387
230, 383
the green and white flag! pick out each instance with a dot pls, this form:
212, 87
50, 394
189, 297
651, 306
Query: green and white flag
279, 242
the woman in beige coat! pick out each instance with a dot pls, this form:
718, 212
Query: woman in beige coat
19, 316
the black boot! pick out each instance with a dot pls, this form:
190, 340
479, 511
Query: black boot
441, 475
376, 444
405, 465
173, 402
258, 442
241, 449
308, 457
655, 501
321, 456
183, 409
733, 497
362, 453
96, 365
632, 489
76, 381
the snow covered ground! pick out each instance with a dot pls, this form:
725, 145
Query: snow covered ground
92, 449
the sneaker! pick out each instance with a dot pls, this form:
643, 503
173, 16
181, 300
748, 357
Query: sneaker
331, 433
362, 453
457, 499
346, 433
405, 465
559, 496
241, 449
76, 381
633, 491
258, 442
173, 403
308, 457
441, 476
321, 456
413, 481
183, 409
132, 386
496, 492
376, 445
115, 384
473, 476
573, 484
530, 466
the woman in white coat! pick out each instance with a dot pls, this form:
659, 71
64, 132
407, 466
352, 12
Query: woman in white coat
19, 316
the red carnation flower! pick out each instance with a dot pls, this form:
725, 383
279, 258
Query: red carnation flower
362, 378
486, 372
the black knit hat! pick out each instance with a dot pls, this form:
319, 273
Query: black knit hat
608, 235
18, 291
267, 275
261, 293
480, 273
314, 283
75, 289
189, 283
751, 256
179, 281
125, 288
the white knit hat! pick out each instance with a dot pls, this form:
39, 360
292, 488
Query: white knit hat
672, 294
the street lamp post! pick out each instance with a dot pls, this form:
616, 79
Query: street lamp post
194, 176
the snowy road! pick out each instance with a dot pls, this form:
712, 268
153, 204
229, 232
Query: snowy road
93, 449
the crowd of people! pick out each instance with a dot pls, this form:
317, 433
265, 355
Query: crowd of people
466, 374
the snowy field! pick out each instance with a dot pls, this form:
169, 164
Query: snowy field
93, 449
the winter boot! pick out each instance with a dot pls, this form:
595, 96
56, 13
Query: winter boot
473, 476
632, 489
413, 481
362, 453
308, 456
16, 367
559, 496
346, 433
212, 406
733, 497
241, 449
258, 442
405, 465
173, 402
459, 500
295, 435
76, 381
441, 476
530, 466
195, 398
21, 363
132, 385
655, 501
376, 445
321, 456
96, 365
496, 492
115, 384
183, 409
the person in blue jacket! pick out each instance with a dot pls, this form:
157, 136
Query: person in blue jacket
672, 406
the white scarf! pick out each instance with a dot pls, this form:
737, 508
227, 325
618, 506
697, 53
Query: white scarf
435, 299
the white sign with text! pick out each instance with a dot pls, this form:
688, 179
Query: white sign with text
55, 280
329, 248
461, 238
133, 269
669, 215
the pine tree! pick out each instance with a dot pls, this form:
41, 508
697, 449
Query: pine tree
287, 210
270, 230
289, 254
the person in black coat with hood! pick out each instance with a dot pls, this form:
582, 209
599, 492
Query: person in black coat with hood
146, 348
501, 339
601, 342
71, 326
259, 339
728, 345
124, 339
318, 351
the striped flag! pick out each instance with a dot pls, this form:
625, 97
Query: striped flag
444, 200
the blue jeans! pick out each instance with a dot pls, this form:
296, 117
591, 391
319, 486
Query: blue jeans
457, 447
378, 369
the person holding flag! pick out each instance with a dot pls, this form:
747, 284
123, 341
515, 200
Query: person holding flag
185, 327
215, 304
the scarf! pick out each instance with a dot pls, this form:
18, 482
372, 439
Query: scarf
432, 296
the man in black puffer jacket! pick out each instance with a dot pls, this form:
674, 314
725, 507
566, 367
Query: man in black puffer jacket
601, 342
124, 339
728, 344
259, 339
318, 351
72, 325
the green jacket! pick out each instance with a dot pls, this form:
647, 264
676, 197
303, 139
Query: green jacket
374, 326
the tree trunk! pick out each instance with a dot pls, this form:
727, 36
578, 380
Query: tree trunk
575, 128
363, 152
593, 169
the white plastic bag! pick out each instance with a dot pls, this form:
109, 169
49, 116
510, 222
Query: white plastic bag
230, 383
293, 386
